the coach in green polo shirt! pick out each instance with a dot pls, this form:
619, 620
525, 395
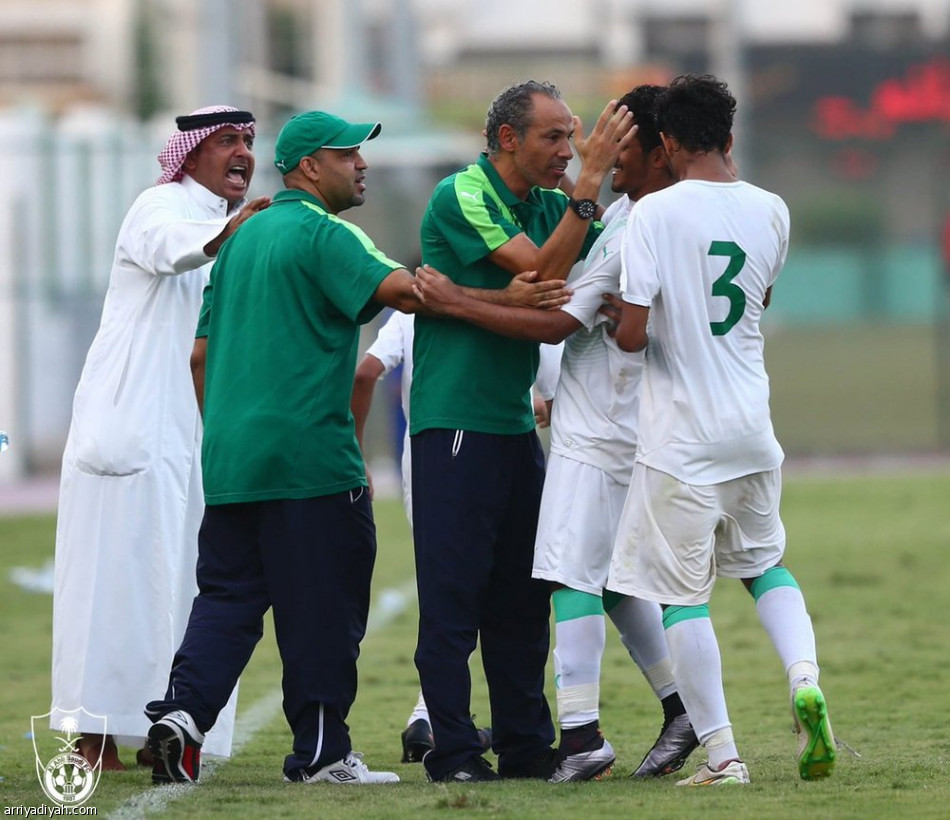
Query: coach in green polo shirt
288, 521
279, 307
477, 464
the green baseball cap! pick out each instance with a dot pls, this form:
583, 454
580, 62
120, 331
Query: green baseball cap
313, 130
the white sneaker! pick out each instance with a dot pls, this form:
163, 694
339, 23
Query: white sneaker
733, 772
351, 769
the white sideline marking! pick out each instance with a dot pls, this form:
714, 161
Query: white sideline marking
389, 603
34, 579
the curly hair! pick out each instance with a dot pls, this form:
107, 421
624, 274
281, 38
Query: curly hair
641, 102
514, 107
697, 111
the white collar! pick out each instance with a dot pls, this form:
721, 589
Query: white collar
208, 198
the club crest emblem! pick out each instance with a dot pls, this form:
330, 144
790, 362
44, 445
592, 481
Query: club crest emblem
66, 776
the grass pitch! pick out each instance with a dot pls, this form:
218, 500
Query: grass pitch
870, 552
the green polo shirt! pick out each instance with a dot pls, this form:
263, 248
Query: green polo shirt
282, 313
464, 377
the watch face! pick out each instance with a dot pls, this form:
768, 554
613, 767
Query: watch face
584, 208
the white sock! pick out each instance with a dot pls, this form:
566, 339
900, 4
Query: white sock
420, 711
697, 667
802, 673
788, 624
720, 748
578, 649
640, 624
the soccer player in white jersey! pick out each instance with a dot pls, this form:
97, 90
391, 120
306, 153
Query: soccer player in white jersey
699, 262
593, 444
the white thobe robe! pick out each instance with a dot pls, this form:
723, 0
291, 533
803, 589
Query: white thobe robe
131, 498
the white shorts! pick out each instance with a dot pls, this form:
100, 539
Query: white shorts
674, 538
577, 525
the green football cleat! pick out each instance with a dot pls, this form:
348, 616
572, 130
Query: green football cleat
816, 749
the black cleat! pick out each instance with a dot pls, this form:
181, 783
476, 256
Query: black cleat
473, 770
539, 768
175, 744
416, 741
675, 743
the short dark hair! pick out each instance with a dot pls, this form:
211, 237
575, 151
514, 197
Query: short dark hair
513, 107
697, 110
641, 102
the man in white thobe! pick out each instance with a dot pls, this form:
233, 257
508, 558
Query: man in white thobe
130, 495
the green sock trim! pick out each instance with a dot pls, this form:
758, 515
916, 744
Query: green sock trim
675, 614
570, 604
770, 579
611, 599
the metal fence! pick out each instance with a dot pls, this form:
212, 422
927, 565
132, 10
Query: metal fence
65, 187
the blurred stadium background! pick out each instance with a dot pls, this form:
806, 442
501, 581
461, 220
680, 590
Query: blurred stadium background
844, 110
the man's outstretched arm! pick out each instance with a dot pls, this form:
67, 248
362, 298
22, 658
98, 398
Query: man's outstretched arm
442, 296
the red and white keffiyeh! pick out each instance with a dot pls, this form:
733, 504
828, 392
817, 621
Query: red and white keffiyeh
179, 144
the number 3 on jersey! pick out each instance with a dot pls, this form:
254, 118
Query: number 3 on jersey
724, 286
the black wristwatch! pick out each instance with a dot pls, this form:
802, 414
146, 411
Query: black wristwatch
584, 208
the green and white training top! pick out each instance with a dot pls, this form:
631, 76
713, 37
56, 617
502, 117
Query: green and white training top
702, 255
282, 313
466, 378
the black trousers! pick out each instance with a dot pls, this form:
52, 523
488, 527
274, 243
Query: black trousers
312, 560
475, 511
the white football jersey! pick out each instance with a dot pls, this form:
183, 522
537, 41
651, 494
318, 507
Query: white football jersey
701, 255
594, 420
393, 347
